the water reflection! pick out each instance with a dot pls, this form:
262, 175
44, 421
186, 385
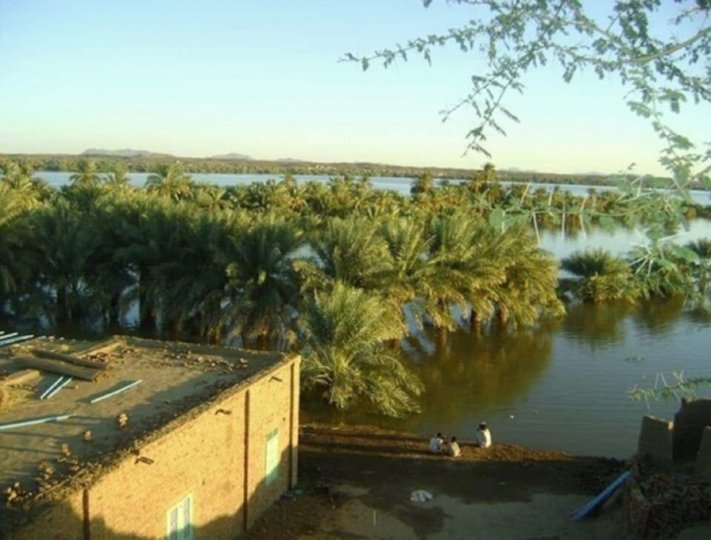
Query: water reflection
561, 386
463, 375
596, 325
469, 372
658, 315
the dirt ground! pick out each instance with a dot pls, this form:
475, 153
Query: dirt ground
357, 483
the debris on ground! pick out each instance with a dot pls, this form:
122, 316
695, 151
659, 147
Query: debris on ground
420, 496
659, 503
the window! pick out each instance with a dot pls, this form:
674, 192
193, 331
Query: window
272, 471
180, 520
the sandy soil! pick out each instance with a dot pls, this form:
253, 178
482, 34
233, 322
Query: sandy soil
357, 483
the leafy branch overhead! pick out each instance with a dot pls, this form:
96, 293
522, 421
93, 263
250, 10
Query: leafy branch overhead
661, 51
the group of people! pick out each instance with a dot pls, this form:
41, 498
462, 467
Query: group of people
440, 445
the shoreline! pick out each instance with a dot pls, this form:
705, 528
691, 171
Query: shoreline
356, 481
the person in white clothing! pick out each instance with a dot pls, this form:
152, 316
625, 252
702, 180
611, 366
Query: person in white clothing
483, 436
453, 448
436, 443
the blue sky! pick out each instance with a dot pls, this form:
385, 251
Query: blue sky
262, 78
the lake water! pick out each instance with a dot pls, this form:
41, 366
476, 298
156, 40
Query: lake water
562, 386
565, 385
398, 184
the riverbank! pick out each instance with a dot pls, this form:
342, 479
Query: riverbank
356, 482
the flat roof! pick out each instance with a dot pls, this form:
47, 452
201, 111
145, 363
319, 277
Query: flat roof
175, 378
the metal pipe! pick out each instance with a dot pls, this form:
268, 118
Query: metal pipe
16, 340
58, 388
7, 336
52, 387
43, 420
117, 391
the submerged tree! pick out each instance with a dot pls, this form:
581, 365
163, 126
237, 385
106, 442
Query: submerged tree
600, 277
345, 357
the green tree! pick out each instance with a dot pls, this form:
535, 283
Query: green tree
117, 177
345, 357
170, 181
423, 185
87, 175
262, 286
528, 292
601, 277
348, 250
660, 51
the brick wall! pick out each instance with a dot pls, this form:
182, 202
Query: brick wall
655, 440
702, 470
205, 457
58, 522
689, 423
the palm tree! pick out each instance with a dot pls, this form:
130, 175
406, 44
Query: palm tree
170, 181
13, 218
529, 289
423, 185
460, 270
62, 246
210, 197
87, 175
601, 277
408, 248
117, 177
188, 283
141, 226
350, 250
483, 178
344, 331
261, 286
29, 189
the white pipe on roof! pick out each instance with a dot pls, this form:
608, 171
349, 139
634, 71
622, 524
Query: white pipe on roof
23, 423
59, 387
117, 391
52, 387
16, 340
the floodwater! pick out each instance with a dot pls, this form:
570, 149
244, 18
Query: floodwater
395, 183
564, 385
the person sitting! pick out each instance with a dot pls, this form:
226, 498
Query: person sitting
483, 436
436, 444
453, 448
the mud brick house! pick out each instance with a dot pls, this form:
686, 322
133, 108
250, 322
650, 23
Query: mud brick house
148, 439
684, 441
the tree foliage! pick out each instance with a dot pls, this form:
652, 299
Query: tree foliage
660, 50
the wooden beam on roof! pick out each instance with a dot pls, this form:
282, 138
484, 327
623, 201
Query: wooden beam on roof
57, 366
103, 347
43, 353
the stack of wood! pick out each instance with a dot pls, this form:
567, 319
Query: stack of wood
60, 363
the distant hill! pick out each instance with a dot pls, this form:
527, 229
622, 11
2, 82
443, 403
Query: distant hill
289, 160
231, 155
124, 153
